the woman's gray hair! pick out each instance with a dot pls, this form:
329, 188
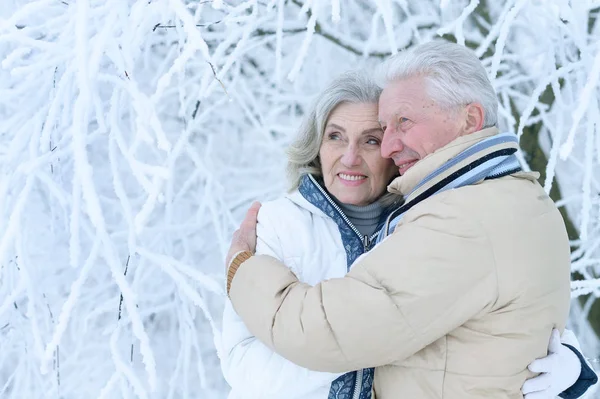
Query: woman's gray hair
352, 87
455, 77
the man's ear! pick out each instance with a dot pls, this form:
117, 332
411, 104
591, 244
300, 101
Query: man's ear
474, 118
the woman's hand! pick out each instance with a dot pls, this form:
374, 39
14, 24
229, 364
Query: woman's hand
558, 371
244, 238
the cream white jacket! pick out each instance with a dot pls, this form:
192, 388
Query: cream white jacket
309, 243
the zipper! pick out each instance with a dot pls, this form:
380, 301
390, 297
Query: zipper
336, 207
358, 385
366, 240
366, 243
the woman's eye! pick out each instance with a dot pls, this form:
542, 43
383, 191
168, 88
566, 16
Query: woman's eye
373, 141
334, 136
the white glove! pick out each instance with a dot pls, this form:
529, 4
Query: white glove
558, 371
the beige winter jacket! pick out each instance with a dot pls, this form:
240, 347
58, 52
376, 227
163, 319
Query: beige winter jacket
454, 304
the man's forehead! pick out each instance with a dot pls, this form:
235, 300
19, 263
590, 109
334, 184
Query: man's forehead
393, 106
410, 87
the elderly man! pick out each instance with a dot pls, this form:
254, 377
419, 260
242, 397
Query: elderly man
471, 274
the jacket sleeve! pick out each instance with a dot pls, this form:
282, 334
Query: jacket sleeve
429, 277
587, 377
248, 365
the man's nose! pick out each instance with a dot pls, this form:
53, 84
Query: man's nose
391, 143
351, 157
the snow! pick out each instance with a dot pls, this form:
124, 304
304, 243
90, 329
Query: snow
134, 134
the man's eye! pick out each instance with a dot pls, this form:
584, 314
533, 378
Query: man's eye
402, 119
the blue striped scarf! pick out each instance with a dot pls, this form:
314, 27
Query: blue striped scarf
491, 158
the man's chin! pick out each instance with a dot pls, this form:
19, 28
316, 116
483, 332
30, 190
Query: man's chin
403, 169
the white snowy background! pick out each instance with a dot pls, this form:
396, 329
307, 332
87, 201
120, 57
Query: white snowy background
135, 134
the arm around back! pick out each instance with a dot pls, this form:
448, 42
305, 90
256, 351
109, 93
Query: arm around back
391, 297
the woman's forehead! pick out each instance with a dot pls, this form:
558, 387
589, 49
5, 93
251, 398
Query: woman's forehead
348, 113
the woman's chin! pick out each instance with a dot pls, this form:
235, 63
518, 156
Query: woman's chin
353, 200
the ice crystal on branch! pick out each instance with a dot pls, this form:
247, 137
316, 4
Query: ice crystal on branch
134, 134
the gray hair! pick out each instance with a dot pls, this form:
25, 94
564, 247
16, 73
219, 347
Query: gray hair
352, 87
454, 76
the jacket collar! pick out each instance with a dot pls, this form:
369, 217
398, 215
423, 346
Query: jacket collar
405, 184
297, 198
316, 195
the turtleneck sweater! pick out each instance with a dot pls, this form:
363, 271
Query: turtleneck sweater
365, 218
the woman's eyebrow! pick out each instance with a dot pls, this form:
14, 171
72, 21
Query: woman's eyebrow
372, 130
338, 127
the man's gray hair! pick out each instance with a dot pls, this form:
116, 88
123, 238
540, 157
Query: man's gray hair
454, 76
353, 87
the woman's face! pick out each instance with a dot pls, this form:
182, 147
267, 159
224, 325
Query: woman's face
353, 170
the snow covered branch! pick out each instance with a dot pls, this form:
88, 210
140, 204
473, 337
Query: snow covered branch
134, 134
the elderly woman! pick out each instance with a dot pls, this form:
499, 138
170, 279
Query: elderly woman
336, 207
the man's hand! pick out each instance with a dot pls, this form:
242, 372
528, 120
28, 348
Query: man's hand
244, 238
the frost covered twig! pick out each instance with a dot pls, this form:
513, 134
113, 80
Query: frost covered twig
142, 130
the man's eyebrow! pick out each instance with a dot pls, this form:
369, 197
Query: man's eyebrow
400, 111
338, 127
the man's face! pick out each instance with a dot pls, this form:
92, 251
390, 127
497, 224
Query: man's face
414, 125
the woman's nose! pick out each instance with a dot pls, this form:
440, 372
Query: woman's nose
351, 157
